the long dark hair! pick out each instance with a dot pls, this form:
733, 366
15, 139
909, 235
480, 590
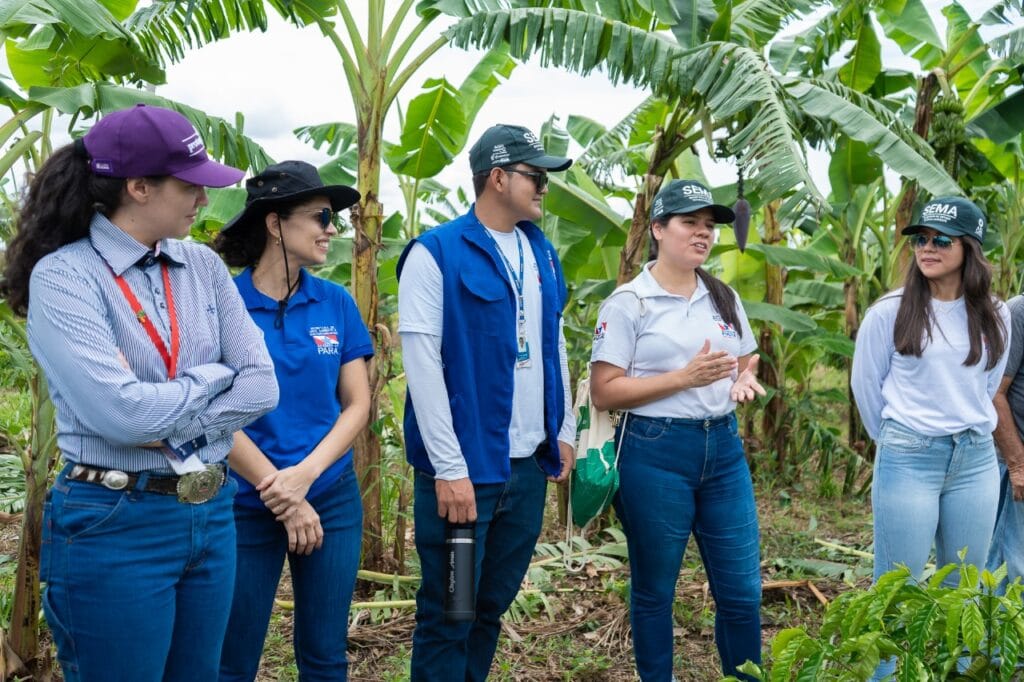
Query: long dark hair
914, 319
62, 198
242, 245
722, 296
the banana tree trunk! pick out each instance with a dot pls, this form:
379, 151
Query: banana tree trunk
38, 460
926, 91
773, 423
367, 220
633, 256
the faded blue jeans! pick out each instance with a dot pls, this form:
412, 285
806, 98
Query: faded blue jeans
138, 585
677, 477
509, 517
322, 584
941, 490
1008, 537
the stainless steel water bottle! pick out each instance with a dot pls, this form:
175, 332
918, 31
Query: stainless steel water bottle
460, 584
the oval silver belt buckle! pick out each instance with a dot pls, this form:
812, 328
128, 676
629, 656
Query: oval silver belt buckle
114, 479
200, 486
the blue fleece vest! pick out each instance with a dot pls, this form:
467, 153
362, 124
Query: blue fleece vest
478, 346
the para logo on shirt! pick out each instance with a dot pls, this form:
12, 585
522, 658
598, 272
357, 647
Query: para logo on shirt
326, 339
599, 330
728, 331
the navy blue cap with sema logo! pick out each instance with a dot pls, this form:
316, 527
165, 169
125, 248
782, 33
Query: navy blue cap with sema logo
687, 196
951, 216
504, 145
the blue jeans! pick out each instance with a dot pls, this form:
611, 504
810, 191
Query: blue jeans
679, 476
509, 517
138, 584
1008, 536
322, 583
942, 490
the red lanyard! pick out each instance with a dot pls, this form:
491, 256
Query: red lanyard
170, 359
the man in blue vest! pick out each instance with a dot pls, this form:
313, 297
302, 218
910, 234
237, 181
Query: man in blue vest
488, 417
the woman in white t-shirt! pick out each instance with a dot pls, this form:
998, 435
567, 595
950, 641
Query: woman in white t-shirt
928, 360
674, 348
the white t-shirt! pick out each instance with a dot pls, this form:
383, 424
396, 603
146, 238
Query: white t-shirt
935, 394
663, 334
420, 312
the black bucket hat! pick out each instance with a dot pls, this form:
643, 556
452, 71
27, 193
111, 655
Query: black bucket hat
291, 181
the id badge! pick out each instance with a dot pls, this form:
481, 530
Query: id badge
522, 353
181, 466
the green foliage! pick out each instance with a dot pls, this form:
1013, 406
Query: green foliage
955, 617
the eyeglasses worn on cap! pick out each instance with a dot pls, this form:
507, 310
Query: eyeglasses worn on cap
939, 241
540, 178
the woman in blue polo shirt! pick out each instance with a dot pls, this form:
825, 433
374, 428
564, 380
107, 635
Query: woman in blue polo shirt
674, 348
298, 493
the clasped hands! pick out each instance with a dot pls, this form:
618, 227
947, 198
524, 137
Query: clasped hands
283, 492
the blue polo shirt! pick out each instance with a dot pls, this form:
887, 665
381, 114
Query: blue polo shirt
322, 331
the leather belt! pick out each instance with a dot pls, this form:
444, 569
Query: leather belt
194, 488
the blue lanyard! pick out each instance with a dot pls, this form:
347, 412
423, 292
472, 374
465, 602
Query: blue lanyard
518, 281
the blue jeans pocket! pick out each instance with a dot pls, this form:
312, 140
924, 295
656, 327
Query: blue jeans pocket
899, 438
84, 511
646, 429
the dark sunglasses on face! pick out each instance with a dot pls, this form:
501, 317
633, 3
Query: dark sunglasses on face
940, 241
325, 216
540, 178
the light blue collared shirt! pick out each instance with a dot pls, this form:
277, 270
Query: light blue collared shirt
81, 331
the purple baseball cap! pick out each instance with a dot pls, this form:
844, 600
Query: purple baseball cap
147, 140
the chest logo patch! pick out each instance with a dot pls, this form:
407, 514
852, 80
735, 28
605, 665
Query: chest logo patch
326, 339
728, 331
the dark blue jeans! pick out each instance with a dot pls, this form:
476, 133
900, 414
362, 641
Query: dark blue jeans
509, 517
138, 585
322, 583
679, 476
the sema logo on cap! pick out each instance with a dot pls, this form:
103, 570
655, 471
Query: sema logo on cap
951, 216
687, 196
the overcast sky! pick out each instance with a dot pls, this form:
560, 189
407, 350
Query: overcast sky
288, 77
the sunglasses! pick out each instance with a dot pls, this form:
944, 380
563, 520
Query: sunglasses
325, 216
540, 178
939, 241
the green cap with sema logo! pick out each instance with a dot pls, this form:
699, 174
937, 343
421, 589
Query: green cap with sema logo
686, 196
951, 216
504, 145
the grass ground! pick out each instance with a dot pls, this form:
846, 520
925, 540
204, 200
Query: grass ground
582, 632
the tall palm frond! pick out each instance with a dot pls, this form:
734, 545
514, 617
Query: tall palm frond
166, 29
728, 78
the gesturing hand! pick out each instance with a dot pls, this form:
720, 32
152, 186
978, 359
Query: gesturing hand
707, 367
746, 384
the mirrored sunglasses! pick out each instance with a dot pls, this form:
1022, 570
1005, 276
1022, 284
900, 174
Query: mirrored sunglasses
940, 241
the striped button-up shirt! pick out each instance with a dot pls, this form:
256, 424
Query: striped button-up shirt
107, 379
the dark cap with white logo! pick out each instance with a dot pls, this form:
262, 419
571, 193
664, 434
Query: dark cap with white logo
951, 216
504, 145
687, 196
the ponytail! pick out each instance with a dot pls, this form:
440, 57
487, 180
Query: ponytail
62, 198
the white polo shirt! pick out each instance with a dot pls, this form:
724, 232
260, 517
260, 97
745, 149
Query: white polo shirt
665, 332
